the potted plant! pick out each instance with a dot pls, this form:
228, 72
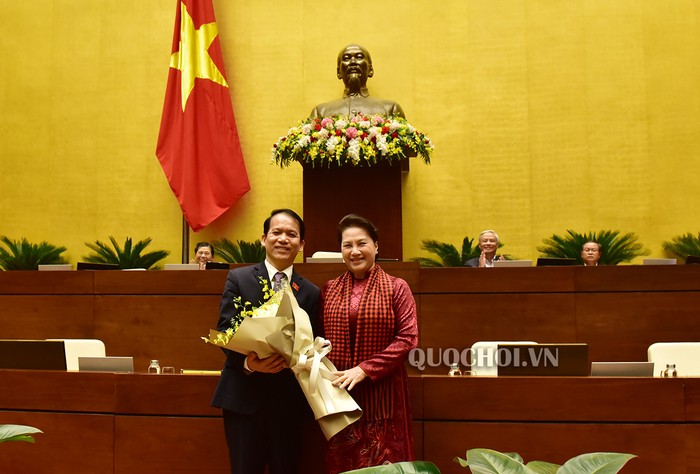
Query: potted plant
240, 251
24, 255
683, 246
448, 254
488, 461
18, 433
130, 256
617, 247
407, 467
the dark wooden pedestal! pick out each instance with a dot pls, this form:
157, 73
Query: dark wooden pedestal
372, 192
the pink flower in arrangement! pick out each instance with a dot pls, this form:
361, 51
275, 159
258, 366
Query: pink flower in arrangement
351, 132
326, 122
377, 120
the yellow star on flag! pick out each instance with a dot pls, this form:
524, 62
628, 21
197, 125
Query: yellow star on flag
193, 58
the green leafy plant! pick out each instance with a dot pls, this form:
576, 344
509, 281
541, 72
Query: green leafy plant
448, 254
128, 257
23, 255
18, 433
617, 247
407, 467
683, 246
240, 251
488, 461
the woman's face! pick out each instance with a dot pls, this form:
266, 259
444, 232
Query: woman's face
203, 255
359, 251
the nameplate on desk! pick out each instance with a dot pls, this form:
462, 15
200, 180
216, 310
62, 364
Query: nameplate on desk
543, 359
55, 267
181, 266
622, 369
106, 364
512, 263
30, 354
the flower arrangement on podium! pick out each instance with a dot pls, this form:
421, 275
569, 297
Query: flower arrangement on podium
359, 140
281, 326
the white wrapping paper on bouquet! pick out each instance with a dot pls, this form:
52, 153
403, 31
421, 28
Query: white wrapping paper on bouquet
289, 333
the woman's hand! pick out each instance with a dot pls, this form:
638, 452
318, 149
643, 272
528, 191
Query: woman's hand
349, 378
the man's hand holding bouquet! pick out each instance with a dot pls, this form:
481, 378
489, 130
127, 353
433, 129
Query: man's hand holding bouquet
280, 326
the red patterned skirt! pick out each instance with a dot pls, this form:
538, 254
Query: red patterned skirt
373, 442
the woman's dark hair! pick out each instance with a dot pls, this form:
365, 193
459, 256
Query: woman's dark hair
353, 220
204, 244
290, 213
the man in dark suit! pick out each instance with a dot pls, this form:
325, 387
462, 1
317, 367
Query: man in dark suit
488, 243
263, 405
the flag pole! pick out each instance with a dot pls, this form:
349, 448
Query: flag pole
185, 241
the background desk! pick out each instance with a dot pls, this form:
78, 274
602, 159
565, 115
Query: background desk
133, 423
618, 311
97, 423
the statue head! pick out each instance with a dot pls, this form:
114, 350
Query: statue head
354, 67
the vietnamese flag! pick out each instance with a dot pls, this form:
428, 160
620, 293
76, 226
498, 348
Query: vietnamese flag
198, 145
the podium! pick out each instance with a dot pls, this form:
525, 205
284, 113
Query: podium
374, 192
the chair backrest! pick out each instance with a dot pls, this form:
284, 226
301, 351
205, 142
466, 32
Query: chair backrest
484, 354
686, 356
81, 348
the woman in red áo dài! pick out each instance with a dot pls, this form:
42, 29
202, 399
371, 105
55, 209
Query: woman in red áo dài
370, 319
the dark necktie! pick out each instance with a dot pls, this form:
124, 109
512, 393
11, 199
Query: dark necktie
278, 280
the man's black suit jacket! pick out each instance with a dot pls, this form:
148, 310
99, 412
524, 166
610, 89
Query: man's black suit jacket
248, 393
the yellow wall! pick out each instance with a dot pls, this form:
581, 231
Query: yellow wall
546, 115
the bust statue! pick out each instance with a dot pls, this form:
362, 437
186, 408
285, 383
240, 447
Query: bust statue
354, 68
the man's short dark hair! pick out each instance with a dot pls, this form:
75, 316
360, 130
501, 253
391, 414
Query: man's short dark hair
290, 213
353, 220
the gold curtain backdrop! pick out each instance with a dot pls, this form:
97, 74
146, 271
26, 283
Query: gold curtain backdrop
578, 114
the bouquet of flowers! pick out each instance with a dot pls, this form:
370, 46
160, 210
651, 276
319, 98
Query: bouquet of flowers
360, 140
280, 326
247, 339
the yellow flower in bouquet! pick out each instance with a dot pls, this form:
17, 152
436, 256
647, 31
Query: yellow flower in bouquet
245, 309
360, 140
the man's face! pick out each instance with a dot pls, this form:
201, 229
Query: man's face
488, 243
283, 241
354, 67
590, 253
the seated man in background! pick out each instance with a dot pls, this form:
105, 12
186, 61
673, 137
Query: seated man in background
488, 243
203, 253
591, 253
